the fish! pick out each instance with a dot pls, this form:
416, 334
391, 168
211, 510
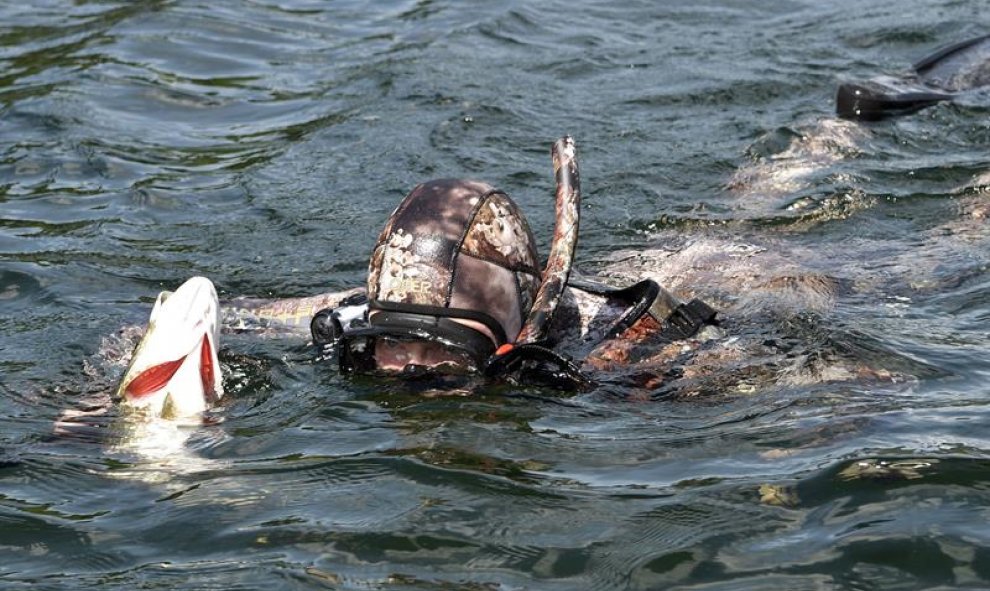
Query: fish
174, 372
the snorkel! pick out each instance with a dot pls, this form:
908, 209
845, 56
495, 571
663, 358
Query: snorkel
561, 257
531, 342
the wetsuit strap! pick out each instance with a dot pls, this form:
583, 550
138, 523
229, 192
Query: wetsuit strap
680, 320
400, 308
687, 319
367, 318
640, 297
538, 364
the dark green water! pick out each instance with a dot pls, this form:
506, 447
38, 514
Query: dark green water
262, 144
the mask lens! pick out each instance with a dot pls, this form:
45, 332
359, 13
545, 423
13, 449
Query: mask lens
393, 356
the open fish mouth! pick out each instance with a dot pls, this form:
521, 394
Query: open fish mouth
174, 372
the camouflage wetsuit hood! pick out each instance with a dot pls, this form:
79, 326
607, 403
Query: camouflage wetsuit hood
453, 246
455, 265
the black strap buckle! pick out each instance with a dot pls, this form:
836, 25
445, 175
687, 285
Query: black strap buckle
687, 319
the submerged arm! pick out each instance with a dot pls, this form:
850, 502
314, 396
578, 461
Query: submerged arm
289, 316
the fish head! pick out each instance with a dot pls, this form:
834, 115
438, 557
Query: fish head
174, 372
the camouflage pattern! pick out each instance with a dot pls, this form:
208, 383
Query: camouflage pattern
500, 233
631, 346
457, 244
283, 316
463, 244
408, 274
568, 201
581, 321
529, 283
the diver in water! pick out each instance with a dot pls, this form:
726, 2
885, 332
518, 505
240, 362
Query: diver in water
454, 288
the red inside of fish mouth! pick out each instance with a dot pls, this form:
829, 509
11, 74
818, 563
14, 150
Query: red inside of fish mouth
207, 373
157, 376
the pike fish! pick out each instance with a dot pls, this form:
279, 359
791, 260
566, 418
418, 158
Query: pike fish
174, 372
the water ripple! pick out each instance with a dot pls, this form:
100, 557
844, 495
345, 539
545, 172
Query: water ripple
829, 437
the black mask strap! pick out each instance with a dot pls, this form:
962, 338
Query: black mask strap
442, 312
444, 330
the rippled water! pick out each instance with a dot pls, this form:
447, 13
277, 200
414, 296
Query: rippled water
262, 143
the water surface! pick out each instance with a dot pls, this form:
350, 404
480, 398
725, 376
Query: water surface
263, 143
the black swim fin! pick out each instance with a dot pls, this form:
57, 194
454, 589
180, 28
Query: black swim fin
933, 79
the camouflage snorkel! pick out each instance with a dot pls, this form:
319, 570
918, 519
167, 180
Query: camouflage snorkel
530, 345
